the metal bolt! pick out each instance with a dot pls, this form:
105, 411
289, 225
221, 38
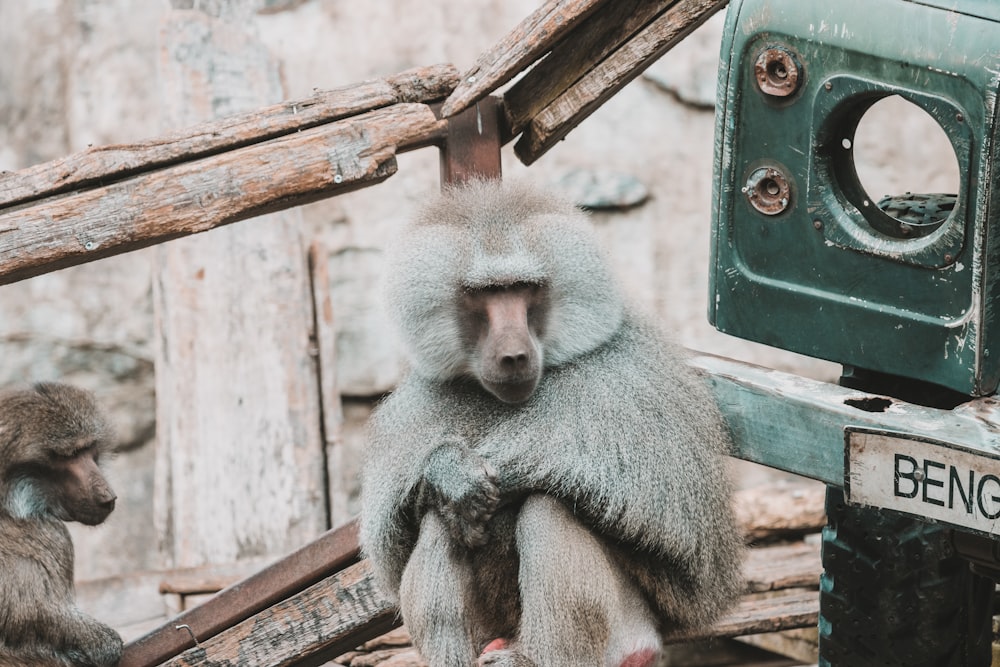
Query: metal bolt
768, 190
776, 72
948, 258
337, 178
959, 117
817, 224
472, 79
89, 245
828, 86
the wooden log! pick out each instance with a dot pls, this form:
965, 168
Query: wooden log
781, 510
757, 613
793, 565
207, 193
328, 619
582, 50
532, 38
324, 621
554, 122
334, 550
105, 164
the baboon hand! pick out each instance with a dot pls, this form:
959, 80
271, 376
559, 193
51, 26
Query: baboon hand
461, 486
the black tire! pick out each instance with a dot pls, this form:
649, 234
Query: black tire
894, 593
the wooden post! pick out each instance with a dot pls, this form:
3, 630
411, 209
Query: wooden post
240, 469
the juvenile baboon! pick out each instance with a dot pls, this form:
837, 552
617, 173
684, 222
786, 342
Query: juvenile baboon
51, 439
548, 482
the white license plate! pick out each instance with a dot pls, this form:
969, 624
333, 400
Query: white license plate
924, 478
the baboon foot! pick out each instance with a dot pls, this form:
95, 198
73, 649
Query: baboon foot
498, 653
643, 658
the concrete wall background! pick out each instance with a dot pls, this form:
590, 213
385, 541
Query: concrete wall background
84, 72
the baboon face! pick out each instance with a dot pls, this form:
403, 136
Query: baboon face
504, 324
81, 493
51, 439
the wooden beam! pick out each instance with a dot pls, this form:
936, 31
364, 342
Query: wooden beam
757, 613
105, 164
531, 39
203, 194
345, 610
332, 551
601, 33
310, 628
584, 97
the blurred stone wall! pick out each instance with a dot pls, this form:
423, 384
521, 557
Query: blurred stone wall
84, 72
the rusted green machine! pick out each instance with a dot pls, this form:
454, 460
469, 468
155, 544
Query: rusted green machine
901, 288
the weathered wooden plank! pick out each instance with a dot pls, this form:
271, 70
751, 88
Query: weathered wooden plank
794, 565
334, 550
108, 163
326, 620
237, 402
201, 195
554, 122
781, 510
532, 38
598, 35
760, 612
337, 472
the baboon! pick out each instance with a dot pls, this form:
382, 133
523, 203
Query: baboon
51, 440
547, 486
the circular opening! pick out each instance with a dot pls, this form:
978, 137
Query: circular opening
907, 165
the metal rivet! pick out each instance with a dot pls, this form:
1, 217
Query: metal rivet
89, 245
817, 224
472, 79
828, 86
337, 178
948, 258
959, 117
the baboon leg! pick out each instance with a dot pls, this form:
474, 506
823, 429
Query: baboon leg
436, 598
578, 608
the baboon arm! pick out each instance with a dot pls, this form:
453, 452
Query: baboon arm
38, 607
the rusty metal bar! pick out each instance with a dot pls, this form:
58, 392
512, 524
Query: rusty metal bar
471, 146
331, 552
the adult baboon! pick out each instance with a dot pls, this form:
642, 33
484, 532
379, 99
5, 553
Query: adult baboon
548, 482
51, 438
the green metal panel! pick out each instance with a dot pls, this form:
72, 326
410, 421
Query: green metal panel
804, 259
986, 9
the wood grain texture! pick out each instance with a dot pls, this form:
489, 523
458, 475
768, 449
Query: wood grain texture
567, 111
531, 39
583, 49
780, 510
326, 620
337, 469
333, 615
203, 194
238, 459
107, 163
